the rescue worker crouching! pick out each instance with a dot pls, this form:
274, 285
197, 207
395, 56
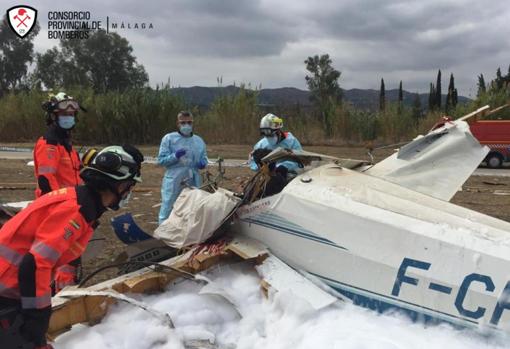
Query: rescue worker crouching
183, 154
52, 231
271, 128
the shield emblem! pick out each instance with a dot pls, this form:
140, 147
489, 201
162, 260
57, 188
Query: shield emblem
21, 19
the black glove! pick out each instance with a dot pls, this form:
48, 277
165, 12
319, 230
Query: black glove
282, 170
259, 154
35, 325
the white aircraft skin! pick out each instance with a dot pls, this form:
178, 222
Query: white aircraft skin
428, 257
388, 237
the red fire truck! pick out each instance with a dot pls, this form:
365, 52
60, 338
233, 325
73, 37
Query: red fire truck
496, 135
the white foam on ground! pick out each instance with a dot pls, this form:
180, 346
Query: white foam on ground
281, 322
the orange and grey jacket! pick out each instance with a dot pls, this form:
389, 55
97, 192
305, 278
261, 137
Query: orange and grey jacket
51, 232
57, 165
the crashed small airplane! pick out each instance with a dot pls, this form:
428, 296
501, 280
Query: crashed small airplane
386, 236
383, 236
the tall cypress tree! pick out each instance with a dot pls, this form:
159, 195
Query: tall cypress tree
451, 95
455, 98
499, 79
400, 97
382, 97
482, 88
432, 97
438, 90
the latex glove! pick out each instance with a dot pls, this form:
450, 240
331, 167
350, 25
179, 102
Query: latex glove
180, 153
202, 164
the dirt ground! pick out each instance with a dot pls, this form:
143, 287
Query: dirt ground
489, 195
231, 151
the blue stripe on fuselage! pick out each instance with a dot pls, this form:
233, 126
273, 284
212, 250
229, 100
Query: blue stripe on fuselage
293, 232
371, 300
382, 304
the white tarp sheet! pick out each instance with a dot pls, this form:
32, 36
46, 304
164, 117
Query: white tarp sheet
436, 164
195, 216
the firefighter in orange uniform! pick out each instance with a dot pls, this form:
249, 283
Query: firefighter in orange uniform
49, 233
57, 165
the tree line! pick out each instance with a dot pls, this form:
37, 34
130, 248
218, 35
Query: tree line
395, 121
105, 76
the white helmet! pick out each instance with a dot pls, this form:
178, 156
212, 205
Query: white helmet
270, 123
119, 163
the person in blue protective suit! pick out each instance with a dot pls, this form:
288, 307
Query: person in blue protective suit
273, 137
183, 154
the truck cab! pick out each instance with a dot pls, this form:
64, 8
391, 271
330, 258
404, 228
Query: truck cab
496, 135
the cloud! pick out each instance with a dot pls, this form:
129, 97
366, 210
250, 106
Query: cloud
266, 41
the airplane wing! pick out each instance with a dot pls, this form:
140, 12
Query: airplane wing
436, 164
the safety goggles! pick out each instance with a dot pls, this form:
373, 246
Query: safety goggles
267, 132
110, 162
68, 104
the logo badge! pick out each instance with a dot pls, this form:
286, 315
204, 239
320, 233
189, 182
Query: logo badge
21, 19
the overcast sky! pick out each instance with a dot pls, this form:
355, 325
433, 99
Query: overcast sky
266, 41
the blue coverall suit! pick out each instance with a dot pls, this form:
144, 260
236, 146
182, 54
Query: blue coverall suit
179, 169
289, 142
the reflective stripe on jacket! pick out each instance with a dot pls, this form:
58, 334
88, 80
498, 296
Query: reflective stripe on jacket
56, 164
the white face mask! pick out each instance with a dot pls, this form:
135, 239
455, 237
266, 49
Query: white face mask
66, 122
186, 129
272, 140
124, 202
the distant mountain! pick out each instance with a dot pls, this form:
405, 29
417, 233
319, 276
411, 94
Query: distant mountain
363, 99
